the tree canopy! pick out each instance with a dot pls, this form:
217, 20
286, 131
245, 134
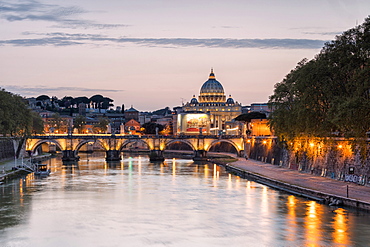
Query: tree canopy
328, 95
150, 128
15, 117
247, 117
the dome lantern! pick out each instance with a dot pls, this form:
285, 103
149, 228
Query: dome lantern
212, 90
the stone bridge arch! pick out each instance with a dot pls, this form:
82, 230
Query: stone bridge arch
31, 146
213, 143
190, 144
86, 141
125, 143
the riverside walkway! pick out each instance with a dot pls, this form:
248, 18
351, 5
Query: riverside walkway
314, 187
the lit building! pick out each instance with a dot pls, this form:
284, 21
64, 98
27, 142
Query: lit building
212, 102
132, 126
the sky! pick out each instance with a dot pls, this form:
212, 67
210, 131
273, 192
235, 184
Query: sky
152, 54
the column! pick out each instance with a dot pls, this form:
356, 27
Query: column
113, 155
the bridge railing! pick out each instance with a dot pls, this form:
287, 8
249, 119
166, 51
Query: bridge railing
120, 136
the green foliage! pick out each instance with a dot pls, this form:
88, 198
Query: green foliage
79, 123
162, 112
150, 128
15, 118
329, 95
102, 125
247, 117
37, 123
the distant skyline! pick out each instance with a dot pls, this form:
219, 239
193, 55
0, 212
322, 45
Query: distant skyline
153, 54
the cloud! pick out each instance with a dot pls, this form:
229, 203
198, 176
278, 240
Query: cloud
65, 17
67, 39
39, 89
325, 33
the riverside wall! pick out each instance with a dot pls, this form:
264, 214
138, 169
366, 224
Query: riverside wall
336, 159
6, 149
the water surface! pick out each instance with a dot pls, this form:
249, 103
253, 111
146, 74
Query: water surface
175, 203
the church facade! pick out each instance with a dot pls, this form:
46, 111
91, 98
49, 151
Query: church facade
211, 113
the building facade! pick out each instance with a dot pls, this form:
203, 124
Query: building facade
213, 102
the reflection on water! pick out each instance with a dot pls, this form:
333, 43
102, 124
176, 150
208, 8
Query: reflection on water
175, 203
340, 226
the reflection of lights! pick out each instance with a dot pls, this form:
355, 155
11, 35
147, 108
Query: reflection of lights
214, 175
229, 184
292, 218
340, 225
206, 170
291, 200
248, 185
173, 167
139, 166
313, 223
21, 190
264, 200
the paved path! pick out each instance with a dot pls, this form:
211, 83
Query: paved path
305, 180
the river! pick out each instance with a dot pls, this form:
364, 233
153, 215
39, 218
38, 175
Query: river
176, 203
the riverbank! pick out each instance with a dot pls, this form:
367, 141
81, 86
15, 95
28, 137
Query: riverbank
11, 168
324, 190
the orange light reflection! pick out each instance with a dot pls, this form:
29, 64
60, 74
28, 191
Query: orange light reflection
340, 225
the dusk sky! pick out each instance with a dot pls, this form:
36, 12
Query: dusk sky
152, 54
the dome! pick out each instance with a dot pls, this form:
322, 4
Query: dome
212, 85
230, 100
212, 90
194, 100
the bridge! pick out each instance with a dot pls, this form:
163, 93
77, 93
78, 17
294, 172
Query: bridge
70, 144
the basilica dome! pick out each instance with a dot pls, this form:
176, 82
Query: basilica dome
212, 90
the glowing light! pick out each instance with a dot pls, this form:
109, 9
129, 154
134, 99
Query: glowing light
340, 225
312, 144
248, 141
264, 142
340, 146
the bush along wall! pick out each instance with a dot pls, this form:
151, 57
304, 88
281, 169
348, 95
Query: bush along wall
333, 158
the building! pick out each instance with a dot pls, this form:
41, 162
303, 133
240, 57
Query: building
132, 113
212, 102
260, 107
132, 127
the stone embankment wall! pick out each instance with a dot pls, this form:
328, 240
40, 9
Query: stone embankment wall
6, 149
335, 159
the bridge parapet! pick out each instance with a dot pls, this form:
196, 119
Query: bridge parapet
113, 144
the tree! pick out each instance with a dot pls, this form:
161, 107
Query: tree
15, 117
79, 123
329, 94
247, 117
96, 101
37, 123
150, 128
102, 125
106, 103
57, 123
43, 98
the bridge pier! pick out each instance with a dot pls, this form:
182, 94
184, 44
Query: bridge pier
113, 155
200, 155
156, 155
242, 153
69, 155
